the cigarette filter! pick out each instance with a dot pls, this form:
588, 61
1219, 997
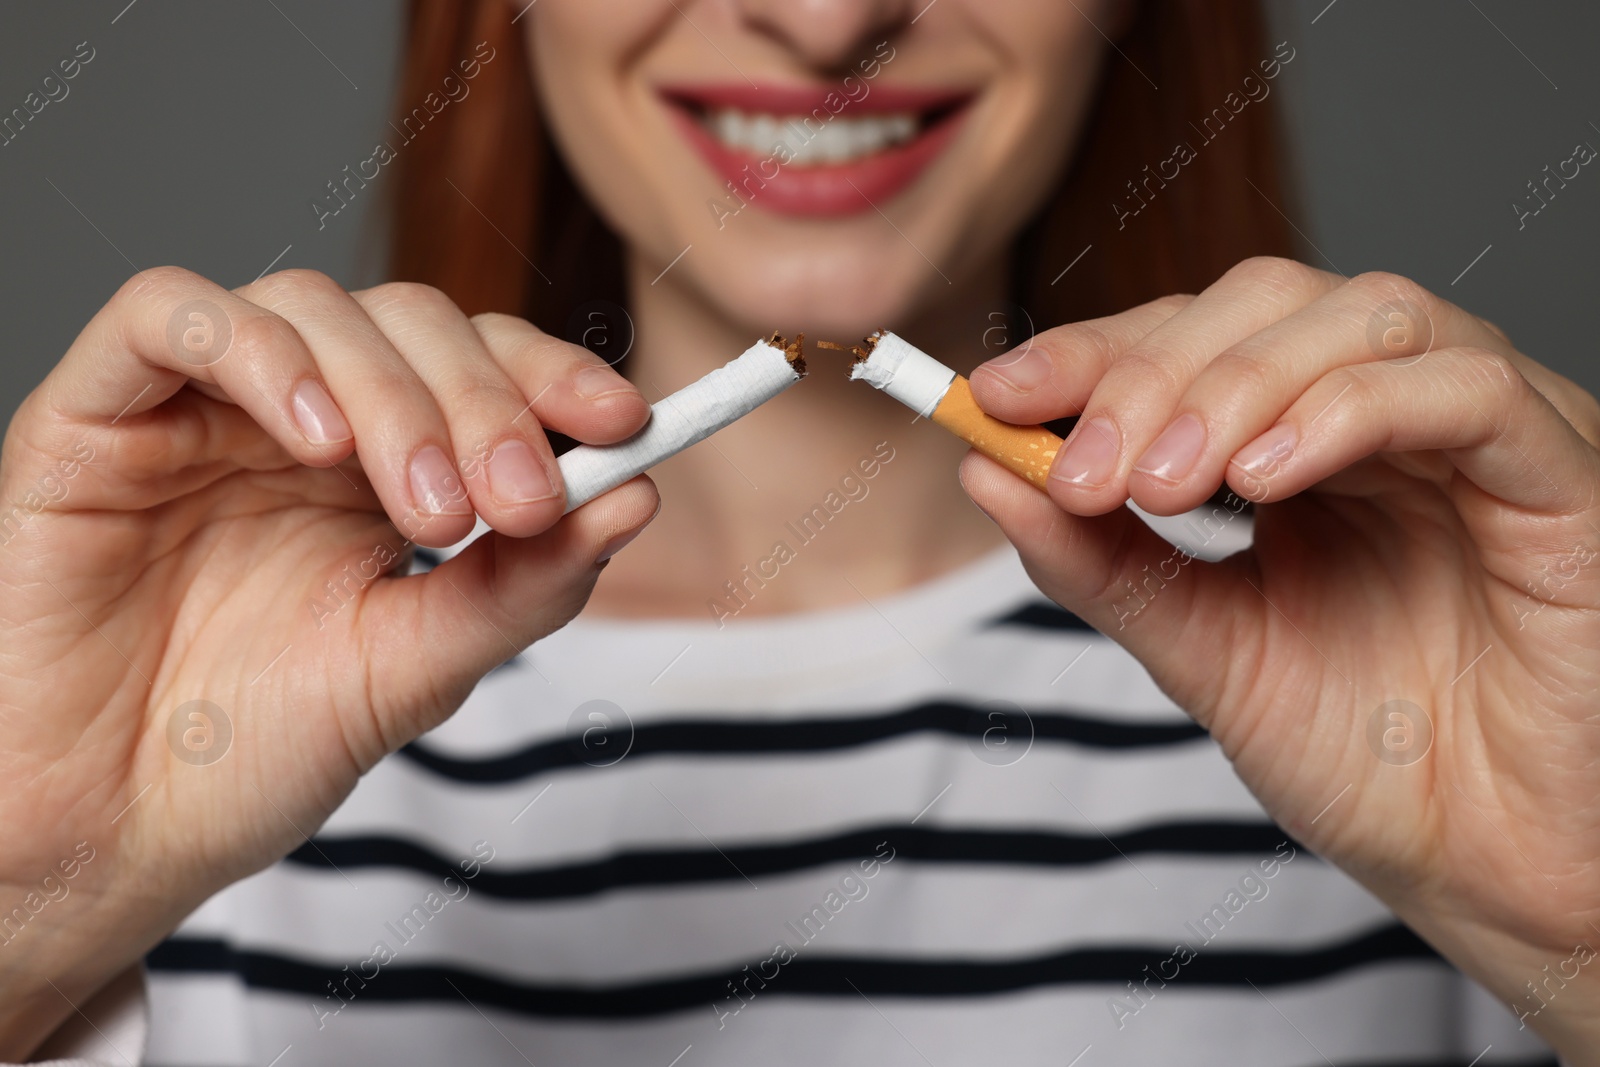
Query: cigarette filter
936, 392
692, 414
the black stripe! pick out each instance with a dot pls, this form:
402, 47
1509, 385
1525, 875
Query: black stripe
1043, 616
657, 867
718, 737
805, 975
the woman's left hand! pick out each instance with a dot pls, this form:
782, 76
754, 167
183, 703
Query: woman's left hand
1405, 666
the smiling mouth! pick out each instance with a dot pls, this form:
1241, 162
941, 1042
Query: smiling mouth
842, 140
817, 151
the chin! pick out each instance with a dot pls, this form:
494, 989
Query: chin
831, 289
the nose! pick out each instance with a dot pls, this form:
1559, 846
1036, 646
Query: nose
827, 33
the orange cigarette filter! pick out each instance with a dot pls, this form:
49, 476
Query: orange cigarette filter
1023, 450
937, 392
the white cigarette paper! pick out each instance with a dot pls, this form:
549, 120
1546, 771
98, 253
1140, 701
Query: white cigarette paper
690, 415
906, 373
937, 392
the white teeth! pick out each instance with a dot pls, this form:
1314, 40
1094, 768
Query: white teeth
808, 140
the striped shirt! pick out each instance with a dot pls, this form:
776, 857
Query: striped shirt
950, 826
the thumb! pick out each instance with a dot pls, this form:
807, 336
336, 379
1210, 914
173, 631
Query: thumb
1180, 616
427, 639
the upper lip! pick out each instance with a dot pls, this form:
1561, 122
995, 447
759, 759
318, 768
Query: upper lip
780, 100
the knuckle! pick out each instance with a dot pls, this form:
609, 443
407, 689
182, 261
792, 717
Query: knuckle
1145, 367
481, 395
1381, 286
264, 337
1171, 304
1495, 370
498, 323
1071, 343
301, 283
1246, 372
158, 281
517, 339
1272, 272
410, 298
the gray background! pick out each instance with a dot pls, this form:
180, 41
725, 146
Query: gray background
201, 131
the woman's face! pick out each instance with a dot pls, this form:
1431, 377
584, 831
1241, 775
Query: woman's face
833, 165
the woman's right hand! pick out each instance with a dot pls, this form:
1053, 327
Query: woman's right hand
203, 640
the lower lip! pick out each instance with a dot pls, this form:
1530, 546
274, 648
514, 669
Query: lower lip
829, 190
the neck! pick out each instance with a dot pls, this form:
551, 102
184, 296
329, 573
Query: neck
827, 494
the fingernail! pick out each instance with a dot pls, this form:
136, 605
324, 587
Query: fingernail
1175, 452
1023, 371
594, 382
435, 487
516, 476
1263, 455
621, 541
318, 417
1090, 456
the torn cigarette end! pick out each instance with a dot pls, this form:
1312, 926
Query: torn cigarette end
936, 392
692, 414
861, 352
793, 351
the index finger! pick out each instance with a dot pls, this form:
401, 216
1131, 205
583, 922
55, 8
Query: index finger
1052, 375
168, 327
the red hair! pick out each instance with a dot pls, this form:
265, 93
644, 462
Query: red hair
514, 204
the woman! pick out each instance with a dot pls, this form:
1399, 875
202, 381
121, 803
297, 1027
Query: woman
868, 799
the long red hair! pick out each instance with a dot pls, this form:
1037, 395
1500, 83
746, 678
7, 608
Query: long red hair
481, 194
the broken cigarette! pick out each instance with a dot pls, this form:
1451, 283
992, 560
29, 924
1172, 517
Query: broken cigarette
936, 392
692, 414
